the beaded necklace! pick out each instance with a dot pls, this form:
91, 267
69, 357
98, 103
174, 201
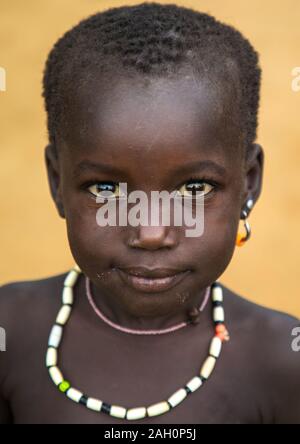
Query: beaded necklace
135, 413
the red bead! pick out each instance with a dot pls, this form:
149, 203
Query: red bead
220, 328
222, 332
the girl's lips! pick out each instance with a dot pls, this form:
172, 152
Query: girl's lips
152, 284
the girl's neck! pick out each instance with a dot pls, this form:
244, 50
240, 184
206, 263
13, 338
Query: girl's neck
111, 309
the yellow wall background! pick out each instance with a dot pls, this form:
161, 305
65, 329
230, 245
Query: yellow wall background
33, 239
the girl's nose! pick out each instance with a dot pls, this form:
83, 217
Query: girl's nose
153, 237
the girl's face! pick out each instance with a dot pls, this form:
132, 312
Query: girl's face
163, 135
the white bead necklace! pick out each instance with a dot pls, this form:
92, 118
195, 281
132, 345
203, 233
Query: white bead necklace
221, 334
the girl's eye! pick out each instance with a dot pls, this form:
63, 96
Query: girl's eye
189, 189
98, 188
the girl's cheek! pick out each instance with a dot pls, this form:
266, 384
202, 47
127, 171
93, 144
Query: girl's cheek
218, 238
89, 235
91, 249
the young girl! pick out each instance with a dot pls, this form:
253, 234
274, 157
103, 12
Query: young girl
158, 97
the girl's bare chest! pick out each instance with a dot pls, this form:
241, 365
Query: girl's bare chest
129, 377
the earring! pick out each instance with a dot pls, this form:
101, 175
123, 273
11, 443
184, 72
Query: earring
241, 237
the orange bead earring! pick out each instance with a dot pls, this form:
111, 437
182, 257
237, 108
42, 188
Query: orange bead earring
243, 236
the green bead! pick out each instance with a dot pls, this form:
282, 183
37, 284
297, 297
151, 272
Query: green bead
63, 386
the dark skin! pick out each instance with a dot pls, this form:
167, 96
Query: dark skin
153, 137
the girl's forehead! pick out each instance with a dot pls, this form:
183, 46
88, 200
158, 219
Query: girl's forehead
160, 115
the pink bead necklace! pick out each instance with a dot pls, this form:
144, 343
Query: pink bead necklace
139, 332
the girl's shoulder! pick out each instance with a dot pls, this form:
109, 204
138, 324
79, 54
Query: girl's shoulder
245, 311
266, 327
27, 310
20, 290
268, 341
24, 288
240, 305
29, 302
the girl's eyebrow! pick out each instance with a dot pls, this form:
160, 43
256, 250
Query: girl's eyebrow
87, 165
201, 165
197, 166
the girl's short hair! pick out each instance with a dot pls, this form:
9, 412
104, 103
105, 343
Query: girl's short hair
153, 39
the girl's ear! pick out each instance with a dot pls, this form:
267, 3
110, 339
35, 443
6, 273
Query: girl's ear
53, 172
254, 166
